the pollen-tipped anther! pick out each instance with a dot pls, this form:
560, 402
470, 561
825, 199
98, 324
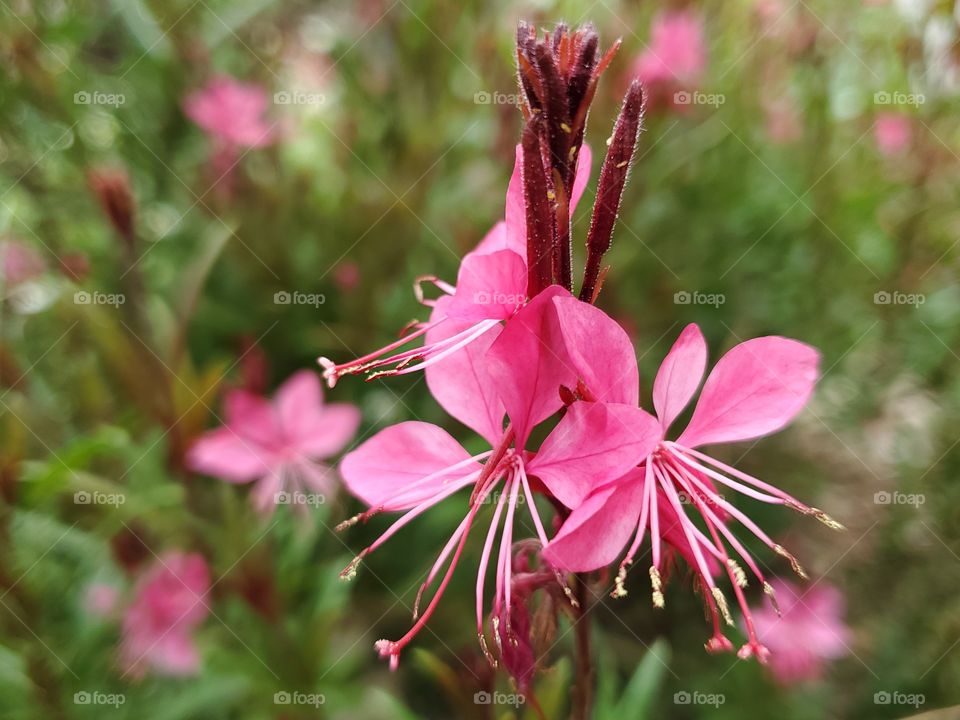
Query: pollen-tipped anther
657, 585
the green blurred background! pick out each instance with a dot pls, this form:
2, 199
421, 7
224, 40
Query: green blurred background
779, 201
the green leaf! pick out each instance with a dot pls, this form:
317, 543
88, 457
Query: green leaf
641, 690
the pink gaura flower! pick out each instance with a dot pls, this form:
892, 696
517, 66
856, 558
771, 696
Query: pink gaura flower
514, 371
168, 606
232, 113
278, 443
676, 54
892, 132
809, 632
755, 389
491, 287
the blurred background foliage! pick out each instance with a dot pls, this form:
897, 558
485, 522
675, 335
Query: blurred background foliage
781, 200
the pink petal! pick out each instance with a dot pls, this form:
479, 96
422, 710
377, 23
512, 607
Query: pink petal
314, 429
400, 455
515, 213
596, 532
528, 364
252, 417
580, 180
494, 240
175, 654
489, 286
462, 384
224, 454
755, 389
600, 351
679, 375
300, 396
593, 444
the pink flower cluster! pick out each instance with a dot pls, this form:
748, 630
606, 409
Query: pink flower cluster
515, 369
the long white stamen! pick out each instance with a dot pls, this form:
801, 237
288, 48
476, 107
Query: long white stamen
685, 525
756, 482
485, 558
733, 484
650, 481
441, 559
506, 550
432, 355
349, 572
711, 517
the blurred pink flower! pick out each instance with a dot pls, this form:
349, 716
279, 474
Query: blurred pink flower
277, 442
677, 53
168, 605
18, 263
232, 113
810, 632
892, 132
101, 599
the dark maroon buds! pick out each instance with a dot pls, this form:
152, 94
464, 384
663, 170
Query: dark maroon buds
613, 178
557, 75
